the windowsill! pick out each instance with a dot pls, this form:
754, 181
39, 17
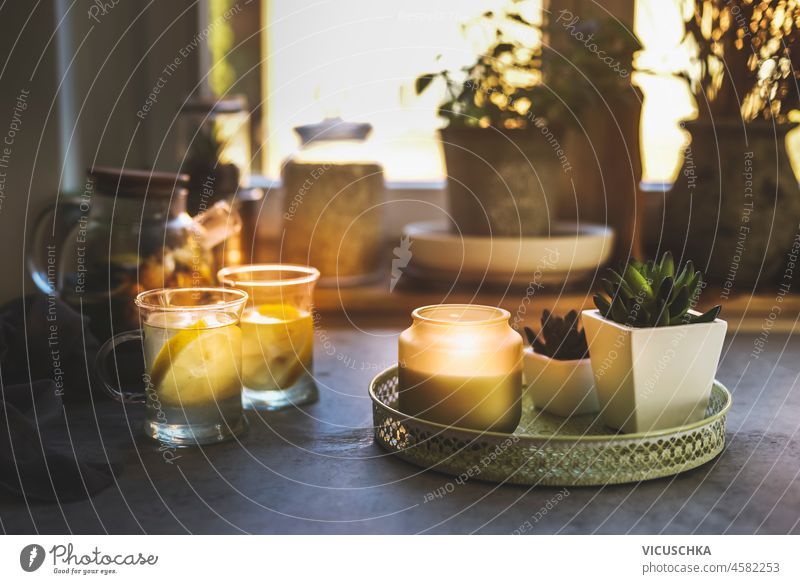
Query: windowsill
375, 305
261, 181
406, 202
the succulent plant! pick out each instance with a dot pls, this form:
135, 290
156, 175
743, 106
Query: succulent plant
652, 295
559, 338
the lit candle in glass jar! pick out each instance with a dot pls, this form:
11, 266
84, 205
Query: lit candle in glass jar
461, 365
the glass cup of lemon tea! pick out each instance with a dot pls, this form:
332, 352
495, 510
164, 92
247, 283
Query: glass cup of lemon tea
277, 333
192, 343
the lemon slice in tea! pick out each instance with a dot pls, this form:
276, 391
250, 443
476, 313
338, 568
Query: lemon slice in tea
277, 346
171, 349
198, 365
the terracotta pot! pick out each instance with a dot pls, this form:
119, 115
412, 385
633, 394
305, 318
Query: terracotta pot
504, 183
735, 206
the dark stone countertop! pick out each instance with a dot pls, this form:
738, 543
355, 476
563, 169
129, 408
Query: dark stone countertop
318, 470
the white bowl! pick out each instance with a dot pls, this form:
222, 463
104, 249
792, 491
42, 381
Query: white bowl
570, 248
563, 388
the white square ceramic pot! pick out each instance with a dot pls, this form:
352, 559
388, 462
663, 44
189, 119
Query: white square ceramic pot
651, 379
563, 388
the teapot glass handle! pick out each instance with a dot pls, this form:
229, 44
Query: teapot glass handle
42, 244
109, 382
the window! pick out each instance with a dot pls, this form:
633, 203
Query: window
359, 58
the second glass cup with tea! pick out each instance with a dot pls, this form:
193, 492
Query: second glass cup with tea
277, 333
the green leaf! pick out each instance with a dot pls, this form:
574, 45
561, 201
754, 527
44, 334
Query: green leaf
690, 273
693, 286
708, 316
539, 347
699, 285
531, 336
603, 305
663, 269
571, 320
609, 287
683, 276
665, 290
620, 282
679, 305
618, 312
632, 262
667, 268
637, 282
644, 317
559, 337
662, 315
652, 293
423, 81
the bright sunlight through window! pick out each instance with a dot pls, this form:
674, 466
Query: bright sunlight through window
358, 59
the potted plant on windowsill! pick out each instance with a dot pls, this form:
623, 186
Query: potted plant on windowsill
506, 120
504, 178
558, 372
653, 356
735, 205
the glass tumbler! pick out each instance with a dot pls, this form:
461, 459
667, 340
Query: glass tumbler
192, 344
461, 365
277, 333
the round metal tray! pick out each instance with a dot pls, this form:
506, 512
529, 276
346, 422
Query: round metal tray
547, 449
